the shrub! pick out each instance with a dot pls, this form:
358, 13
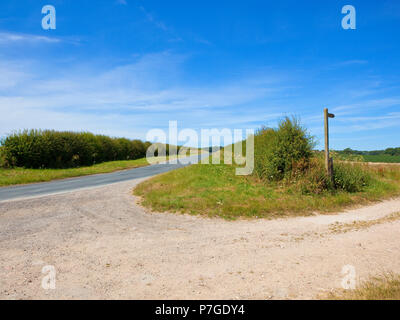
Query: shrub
350, 178
276, 150
314, 180
310, 177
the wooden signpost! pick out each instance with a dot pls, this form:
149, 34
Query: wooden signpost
328, 160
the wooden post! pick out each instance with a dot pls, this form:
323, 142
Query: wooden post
328, 160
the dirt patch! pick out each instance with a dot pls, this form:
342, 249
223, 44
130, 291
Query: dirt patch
102, 245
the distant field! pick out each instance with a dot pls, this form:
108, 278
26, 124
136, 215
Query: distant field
382, 158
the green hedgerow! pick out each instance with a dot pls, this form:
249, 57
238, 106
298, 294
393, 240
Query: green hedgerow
54, 149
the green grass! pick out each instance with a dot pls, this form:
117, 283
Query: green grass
21, 176
381, 288
382, 158
215, 191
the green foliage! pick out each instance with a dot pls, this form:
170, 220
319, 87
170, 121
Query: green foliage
53, 149
350, 178
311, 178
276, 150
3, 161
286, 154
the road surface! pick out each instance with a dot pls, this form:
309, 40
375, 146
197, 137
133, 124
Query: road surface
67, 185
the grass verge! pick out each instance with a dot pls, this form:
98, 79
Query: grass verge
381, 288
15, 176
215, 191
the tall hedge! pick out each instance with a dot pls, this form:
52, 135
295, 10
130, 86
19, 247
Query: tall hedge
55, 149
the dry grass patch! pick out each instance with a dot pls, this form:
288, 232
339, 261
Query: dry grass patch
380, 288
359, 225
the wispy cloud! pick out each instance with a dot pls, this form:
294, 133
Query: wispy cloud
351, 62
8, 37
170, 32
374, 104
157, 23
127, 99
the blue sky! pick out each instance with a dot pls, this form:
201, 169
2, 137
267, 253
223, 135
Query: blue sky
122, 67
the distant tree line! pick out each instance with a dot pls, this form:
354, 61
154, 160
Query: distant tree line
65, 149
388, 151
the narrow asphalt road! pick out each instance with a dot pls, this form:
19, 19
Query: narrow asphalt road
71, 184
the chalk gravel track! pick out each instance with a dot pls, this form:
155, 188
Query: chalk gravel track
103, 245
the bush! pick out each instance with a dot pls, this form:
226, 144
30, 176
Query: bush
53, 149
350, 178
285, 154
276, 150
314, 180
310, 177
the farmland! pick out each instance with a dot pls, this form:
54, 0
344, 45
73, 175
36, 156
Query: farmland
389, 155
383, 158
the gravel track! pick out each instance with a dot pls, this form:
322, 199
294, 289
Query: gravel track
104, 246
